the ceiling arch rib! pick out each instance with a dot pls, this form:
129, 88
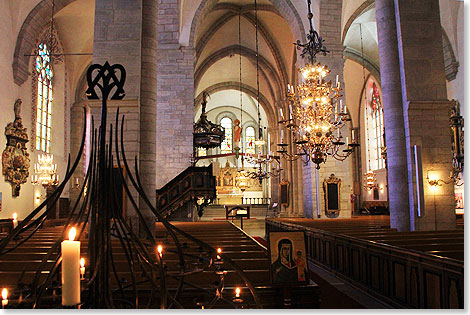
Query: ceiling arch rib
234, 85
246, 8
245, 52
285, 8
369, 64
265, 34
365, 6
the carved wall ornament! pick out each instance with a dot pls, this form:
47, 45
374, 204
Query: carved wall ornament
15, 157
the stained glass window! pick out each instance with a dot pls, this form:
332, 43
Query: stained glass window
375, 127
250, 140
44, 99
226, 146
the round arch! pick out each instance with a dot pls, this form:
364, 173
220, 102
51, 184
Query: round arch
270, 112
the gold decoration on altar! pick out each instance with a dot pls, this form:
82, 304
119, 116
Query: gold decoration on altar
15, 157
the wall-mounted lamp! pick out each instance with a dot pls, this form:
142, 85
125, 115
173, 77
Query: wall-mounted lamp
434, 182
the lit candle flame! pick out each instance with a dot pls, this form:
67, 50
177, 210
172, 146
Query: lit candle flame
160, 250
4, 294
82, 262
72, 234
15, 216
219, 250
237, 292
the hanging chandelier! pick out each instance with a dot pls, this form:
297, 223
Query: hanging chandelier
45, 172
369, 180
205, 133
316, 111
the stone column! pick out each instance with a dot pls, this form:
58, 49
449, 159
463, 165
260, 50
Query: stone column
117, 39
175, 96
397, 163
426, 110
330, 30
148, 103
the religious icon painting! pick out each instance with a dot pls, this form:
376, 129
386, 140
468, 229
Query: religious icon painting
288, 259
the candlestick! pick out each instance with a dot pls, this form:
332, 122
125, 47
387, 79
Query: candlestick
82, 268
15, 220
4, 297
70, 270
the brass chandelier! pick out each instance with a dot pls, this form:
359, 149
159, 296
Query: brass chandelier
316, 111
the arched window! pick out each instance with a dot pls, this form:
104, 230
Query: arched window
226, 146
44, 99
375, 128
250, 140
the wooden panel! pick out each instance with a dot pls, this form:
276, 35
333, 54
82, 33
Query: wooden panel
414, 288
340, 257
356, 272
374, 272
432, 296
454, 298
399, 281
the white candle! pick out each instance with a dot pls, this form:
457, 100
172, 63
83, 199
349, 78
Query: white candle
160, 250
337, 79
282, 114
290, 112
347, 141
352, 135
282, 136
339, 133
4, 297
345, 109
340, 105
70, 270
15, 220
237, 292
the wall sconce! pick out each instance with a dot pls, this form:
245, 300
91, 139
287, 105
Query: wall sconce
434, 182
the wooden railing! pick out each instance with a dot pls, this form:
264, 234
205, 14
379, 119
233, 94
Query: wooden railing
400, 277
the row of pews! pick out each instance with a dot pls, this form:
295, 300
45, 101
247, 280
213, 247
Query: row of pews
19, 267
419, 269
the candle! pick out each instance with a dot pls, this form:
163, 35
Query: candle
337, 80
339, 134
347, 141
160, 250
282, 136
290, 112
237, 292
219, 250
345, 109
15, 220
82, 267
352, 135
282, 114
70, 270
340, 105
4, 297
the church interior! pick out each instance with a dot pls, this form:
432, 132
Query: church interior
232, 154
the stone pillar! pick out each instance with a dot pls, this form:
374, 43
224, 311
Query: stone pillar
426, 110
330, 30
175, 96
397, 162
148, 103
117, 39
